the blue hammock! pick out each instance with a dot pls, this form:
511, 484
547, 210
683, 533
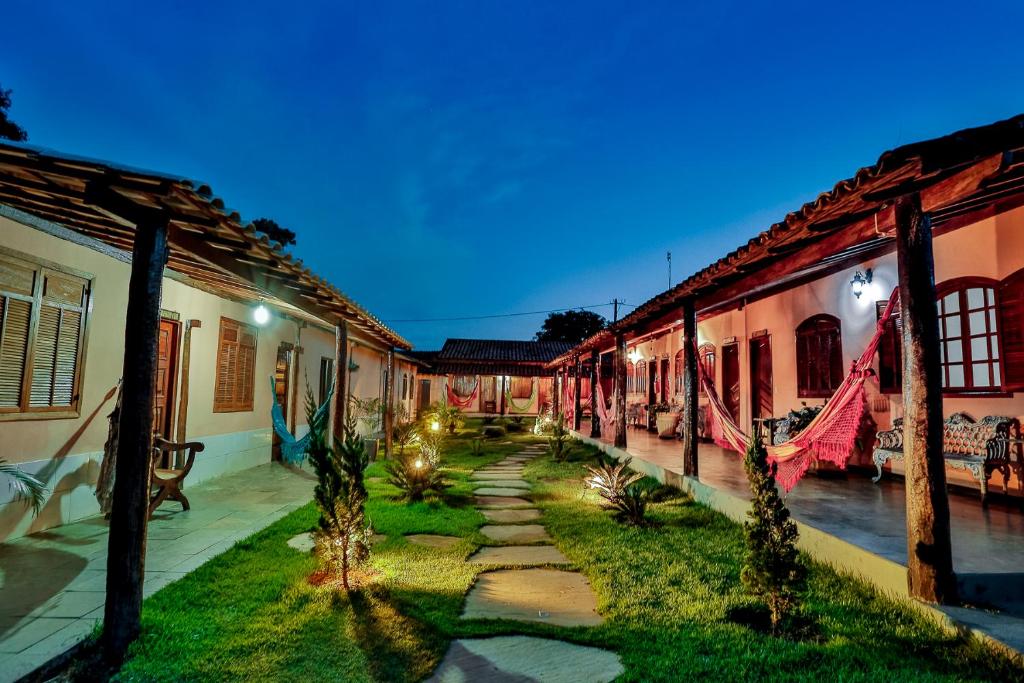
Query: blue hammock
293, 450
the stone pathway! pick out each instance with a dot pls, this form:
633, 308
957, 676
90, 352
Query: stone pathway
523, 587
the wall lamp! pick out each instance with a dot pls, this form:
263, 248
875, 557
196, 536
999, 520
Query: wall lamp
859, 281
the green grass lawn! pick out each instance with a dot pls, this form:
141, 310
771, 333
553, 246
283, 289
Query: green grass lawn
665, 592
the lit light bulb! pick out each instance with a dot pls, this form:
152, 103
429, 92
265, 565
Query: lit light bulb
435, 425
261, 315
418, 464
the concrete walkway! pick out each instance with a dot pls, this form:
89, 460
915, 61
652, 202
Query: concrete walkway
52, 584
529, 582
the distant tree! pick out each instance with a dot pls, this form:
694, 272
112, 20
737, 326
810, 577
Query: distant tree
9, 129
273, 231
570, 326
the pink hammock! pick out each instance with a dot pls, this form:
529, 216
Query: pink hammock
605, 415
569, 401
829, 436
454, 400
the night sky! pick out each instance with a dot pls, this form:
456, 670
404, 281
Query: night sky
445, 159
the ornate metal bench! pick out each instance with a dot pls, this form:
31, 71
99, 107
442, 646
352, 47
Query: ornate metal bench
980, 448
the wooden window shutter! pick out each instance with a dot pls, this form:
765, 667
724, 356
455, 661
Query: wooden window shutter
1011, 314
890, 352
236, 367
15, 319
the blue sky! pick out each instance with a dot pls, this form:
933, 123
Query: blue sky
459, 158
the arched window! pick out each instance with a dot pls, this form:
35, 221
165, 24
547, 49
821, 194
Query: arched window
405, 386
819, 357
969, 335
630, 377
706, 357
463, 385
641, 377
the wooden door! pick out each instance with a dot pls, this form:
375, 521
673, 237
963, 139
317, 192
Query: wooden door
166, 378
761, 377
424, 397
663, 378
731, 380
282, 377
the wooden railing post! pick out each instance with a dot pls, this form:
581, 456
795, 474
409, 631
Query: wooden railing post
620, 390
689, 417
340, 399
577, 403
126, 556
595, 377
930, 574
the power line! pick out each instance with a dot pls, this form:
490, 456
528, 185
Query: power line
496, 315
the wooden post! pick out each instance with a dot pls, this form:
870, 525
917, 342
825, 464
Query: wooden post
652, 396
293, 381
930, 574
556, 398
620, 391
186, 355
690, 382
595, 377
389, 406
340, 400
576, 407
501, 390
126, 556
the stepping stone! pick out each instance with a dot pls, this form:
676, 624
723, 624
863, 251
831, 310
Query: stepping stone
507, 469
504, 483
491, 476
501, 502
516, 533
548, 596
500, 491
432, 540
520, 659
518, 555
511, 516
304, 542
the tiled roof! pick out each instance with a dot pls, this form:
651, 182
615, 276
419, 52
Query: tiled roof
501, 350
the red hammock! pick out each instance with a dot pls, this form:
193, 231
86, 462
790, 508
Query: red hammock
569, 401
829, 436
454, 400
605, 415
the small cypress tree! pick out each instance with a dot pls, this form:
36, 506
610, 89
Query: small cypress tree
559, 439
772, 570
342, 539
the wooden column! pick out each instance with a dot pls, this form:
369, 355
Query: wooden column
293, 381
130, 504
340, 400
577, 411
501, 391
186, 355
930, 574
652, 395
389, 406
556, 396
620, 391
595, 377
690, 383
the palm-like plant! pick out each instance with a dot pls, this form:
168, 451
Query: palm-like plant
26, 487
414, 476
618, 487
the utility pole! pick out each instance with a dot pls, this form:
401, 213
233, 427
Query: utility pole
615, 315
668, 257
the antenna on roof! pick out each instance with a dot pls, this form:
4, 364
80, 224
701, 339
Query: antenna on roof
668, 257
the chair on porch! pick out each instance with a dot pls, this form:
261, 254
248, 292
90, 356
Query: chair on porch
166, 482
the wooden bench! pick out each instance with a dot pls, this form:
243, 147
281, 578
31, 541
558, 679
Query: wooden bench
166, 482
980, 448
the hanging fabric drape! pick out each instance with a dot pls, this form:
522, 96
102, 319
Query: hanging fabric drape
829, 436
604, 414
528, 407
459, 402
293, 450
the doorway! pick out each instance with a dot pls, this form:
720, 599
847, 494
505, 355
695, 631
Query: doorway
166, 377
761, 377
489, 394
423, 401
282, 382
731, 380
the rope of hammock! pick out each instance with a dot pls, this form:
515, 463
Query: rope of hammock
829, 436
513, 407
293, 450
455, 400
569, 401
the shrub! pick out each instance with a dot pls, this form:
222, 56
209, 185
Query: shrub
430, 442
476, 447
772, 570
514, 426
415, 476
620, 490
342, 537
494, 432
447, 417
559, 439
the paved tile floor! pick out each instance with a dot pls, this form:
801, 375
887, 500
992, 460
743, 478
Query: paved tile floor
52, 583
